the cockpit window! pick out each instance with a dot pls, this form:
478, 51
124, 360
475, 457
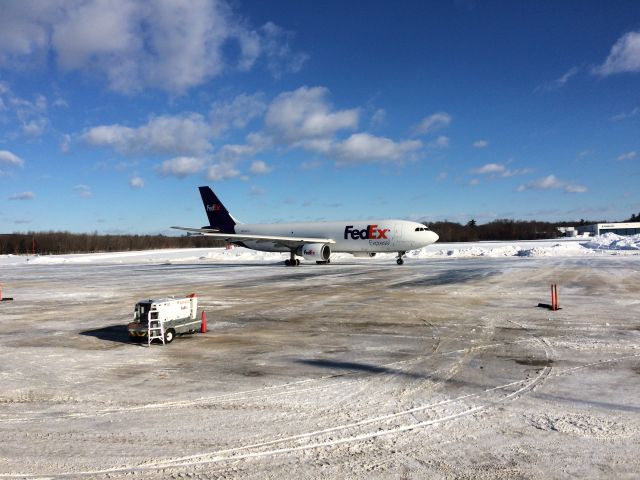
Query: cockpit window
422, 229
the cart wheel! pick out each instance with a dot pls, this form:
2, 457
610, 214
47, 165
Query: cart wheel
169, 335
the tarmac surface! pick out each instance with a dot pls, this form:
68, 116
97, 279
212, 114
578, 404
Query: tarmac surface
435, 369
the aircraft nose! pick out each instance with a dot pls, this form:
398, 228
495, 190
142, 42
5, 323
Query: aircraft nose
434, 237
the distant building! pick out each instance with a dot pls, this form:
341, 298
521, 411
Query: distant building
568, 231
630, 228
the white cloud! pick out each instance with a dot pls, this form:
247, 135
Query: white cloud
378, 118
277, 50
259, 168
441, 142
65, 144
222, 164
34, 128
624, 115
367, 148
31, 115
221, 171
573, 188
543, 183
60, 103
623, 57
181, 166
232, 153
517, 172
480, 144
558, 83
136, 182
490, 168
433, 123
22, 196
186, 134
501, 170
25, 27
552, 182
305, 114
83, 191
319, 145
311, 164
236, 113
627, 156
170, 45
11, 159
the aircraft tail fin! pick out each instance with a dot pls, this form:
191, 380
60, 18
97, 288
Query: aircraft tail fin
218, 215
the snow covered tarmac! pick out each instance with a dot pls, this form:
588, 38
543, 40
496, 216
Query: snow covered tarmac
441, 368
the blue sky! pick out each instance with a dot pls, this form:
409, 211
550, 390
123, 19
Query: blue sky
113, 112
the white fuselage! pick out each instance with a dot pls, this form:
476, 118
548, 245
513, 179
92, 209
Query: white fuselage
371, 236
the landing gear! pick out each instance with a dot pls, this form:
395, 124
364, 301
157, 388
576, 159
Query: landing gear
399, 260
323, 262
293, 261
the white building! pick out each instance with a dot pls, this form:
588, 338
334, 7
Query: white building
630, 228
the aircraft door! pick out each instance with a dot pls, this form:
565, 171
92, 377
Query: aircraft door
397, 235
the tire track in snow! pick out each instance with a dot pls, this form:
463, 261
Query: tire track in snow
365, 429
263, 393
245, 453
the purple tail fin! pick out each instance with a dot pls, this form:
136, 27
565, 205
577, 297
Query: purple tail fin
217, 214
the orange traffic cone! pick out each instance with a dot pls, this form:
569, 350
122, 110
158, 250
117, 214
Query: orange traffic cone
203, 326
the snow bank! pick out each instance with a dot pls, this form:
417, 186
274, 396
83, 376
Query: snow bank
608, 243
611, 241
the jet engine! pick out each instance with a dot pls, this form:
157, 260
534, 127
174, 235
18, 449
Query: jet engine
320, 252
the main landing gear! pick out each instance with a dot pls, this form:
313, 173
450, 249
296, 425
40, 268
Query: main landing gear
399, 260
293, 261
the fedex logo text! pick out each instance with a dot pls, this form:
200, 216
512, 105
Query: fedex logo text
213, 208
372, 232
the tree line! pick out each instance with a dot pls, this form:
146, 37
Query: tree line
47, 243
502, 229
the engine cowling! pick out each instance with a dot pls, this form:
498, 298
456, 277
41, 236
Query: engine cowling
320, 252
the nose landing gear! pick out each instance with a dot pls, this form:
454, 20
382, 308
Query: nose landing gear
399, 260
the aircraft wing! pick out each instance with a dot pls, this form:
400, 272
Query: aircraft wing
288, 242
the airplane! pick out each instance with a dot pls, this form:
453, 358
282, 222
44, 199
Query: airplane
313, 240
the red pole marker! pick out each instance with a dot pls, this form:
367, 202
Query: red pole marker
554, 297
203, 326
